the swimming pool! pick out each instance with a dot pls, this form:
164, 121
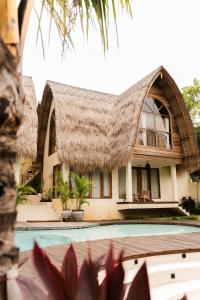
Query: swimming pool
24, 238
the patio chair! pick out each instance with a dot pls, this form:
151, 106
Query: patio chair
136, 197
146, 196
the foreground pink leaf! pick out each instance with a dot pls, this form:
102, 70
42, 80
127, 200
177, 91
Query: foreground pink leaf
30, 290
49, 274
113, 284
70, 272
110, 261
88, 287
139, 289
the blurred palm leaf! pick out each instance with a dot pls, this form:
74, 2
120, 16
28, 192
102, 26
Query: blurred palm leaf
67, 13
23, 191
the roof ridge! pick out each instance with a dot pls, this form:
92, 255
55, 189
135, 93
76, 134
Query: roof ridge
80, 88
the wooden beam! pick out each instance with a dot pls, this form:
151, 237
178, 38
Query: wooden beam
9, 22
24, 12
9, 32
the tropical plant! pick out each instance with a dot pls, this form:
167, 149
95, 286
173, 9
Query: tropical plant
69, 284
23, 191
62, 187
81, 189
191, 96
13, 27
188, 204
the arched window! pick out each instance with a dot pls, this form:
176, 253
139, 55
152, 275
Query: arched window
52, 134
155, 125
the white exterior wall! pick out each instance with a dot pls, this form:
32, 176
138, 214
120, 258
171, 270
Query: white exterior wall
183, 183
49, 161
165, 184
194, 190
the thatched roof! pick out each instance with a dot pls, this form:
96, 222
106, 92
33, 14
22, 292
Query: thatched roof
82, 124
27, 133
95, 129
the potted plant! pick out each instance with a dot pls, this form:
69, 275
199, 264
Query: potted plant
62, 187
80, 191
23, 191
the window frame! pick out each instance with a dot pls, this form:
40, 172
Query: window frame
52, 139
155, 131
101, 173
101, 186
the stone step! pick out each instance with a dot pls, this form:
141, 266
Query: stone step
40, 212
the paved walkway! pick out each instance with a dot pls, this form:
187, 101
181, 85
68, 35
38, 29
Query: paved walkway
68, 225
53, 225
134, 247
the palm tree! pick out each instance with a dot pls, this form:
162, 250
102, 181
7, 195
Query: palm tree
62, 187
22, 192
81, 190
13, 27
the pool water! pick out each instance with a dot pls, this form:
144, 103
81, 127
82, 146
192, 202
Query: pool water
24, 238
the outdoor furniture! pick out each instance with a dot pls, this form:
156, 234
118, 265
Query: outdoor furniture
136, 197
146, 195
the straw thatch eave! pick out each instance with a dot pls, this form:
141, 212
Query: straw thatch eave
27, 133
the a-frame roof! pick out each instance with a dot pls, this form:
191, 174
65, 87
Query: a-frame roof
95, 129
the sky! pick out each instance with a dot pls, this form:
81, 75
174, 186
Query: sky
161, 32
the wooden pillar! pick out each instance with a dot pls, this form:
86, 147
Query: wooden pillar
65, 171
129, 188
174, 183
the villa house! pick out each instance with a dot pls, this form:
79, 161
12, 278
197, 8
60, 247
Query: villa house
137, 148
27, 135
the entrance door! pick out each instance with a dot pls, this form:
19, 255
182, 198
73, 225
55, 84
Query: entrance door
146, 180
139, 180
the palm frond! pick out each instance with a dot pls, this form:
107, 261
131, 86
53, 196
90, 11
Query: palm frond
81, 189
23, 191
63, 189
66, 13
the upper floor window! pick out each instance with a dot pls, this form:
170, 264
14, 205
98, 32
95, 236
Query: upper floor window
52, 134
155, 125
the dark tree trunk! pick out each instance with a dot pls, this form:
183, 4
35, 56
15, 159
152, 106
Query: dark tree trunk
11, 100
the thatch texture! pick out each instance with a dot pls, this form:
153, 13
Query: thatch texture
82, 125
27, 133
99, 130
126, 117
